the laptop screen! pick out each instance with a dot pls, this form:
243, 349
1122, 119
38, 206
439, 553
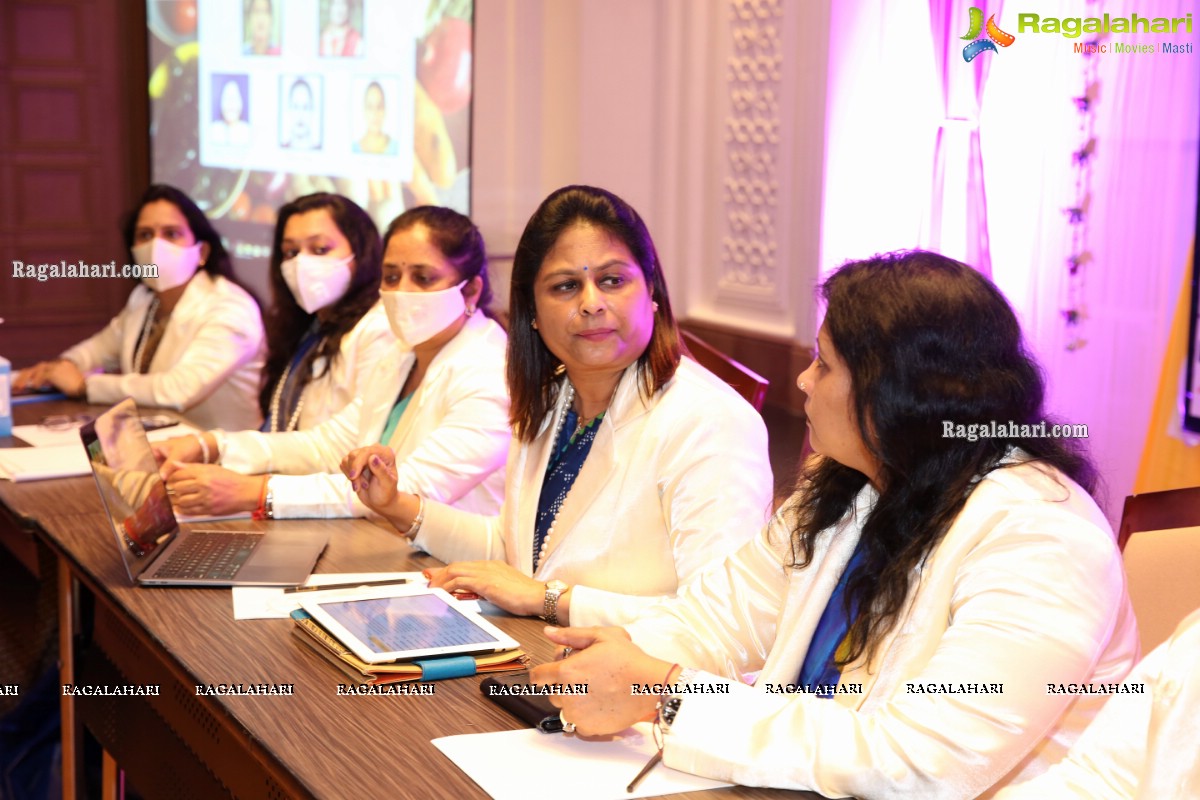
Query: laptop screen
134, 494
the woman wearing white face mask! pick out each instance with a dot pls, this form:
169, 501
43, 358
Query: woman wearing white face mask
190, 339
326, 333
437, 399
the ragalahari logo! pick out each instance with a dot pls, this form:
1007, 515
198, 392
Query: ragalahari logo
994, 37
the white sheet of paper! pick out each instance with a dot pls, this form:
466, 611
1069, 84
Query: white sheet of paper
58, 454
518, 765
40, 463
37, 436
269, 602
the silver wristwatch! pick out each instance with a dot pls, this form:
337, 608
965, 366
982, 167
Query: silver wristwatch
554, 590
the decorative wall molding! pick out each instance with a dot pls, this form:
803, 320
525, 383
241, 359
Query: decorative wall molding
754, 78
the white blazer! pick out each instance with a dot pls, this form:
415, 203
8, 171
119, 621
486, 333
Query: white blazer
668, 485
359, 354
450, 444
1025, 589
207, 363
1144, 744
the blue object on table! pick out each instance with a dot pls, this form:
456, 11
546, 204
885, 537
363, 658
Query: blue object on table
38, 398
436, 669
5, 396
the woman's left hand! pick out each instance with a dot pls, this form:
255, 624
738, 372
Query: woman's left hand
66, 377
494, 581
610, 665
211, 490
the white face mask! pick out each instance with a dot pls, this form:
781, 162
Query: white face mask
417, 317
316, 281
176, 265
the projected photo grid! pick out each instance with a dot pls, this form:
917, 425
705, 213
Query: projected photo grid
256, 102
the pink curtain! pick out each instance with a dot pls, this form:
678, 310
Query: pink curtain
956, 222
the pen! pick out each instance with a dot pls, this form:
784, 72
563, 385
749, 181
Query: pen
295, 589
654, 759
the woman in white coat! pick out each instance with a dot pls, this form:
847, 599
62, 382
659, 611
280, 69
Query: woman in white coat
631, 466
1145, 743
436, 400
326, 333
907, 609
190, 339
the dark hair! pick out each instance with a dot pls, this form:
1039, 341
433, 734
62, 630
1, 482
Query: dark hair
532, 368
457, 238
926, 340
296, 84
287, 322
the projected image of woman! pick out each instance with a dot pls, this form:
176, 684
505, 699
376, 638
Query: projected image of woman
229, 125
374, 140
260, 29
300, 125
339, 37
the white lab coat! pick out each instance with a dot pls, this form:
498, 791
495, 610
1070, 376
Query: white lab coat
1143, 745
207, 364
450, 444
359, 354
667, 486
1025, 589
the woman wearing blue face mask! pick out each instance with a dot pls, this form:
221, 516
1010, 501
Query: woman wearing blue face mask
437, 399
189, 339
326, 332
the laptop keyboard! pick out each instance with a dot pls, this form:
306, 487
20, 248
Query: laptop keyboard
209, 556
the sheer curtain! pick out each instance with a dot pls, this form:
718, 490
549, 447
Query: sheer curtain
892, 86
1141, 218
956, 223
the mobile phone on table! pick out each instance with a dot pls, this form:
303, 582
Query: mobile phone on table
536, 710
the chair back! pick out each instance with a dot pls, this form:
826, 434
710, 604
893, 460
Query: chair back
1156, 511
746, 382
1163, 571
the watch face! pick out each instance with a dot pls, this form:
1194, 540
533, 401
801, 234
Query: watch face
556, 586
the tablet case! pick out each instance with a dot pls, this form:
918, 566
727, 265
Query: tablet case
437, 668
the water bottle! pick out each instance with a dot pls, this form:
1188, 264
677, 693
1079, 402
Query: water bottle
5, 397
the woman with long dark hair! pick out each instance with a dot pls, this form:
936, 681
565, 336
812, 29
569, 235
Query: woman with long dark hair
435, 401
189, 339
326, 329
908, 609
618, 486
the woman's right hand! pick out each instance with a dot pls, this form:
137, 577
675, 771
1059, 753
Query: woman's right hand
59, 374
33, 378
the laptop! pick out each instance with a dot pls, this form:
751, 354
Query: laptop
155, 550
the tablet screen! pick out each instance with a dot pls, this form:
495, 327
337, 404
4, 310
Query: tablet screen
406, 623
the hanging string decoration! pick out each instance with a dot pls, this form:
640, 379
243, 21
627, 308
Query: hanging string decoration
1083, 159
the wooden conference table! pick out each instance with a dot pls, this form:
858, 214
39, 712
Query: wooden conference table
313, 743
